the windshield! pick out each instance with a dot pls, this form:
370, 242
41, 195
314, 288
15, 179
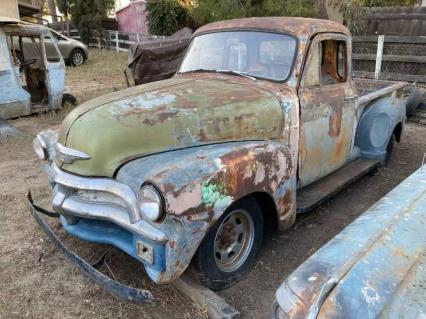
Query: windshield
255, 53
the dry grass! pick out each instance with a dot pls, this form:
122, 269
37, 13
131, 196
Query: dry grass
101, 74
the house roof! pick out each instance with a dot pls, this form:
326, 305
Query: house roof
295, 25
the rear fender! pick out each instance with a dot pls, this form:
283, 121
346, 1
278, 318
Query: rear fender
376, 126
199, 184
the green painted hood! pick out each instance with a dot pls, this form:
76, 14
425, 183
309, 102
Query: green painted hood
166, 115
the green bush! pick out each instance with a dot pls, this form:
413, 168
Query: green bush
205, 11
165, 17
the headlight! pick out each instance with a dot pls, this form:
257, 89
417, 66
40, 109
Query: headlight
40, 147
150, 203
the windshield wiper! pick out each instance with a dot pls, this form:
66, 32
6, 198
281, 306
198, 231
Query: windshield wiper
198, 70
241, 73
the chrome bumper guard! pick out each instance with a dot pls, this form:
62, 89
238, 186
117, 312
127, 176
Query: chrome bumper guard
129, 218
114, 287
100, 184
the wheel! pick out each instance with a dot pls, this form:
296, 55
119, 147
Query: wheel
68, 100
389, 149
413, 100
229, 249
76, 57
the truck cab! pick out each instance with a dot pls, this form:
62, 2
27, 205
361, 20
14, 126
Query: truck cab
262, 121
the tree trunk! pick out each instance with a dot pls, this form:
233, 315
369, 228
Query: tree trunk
322, 9
52, 10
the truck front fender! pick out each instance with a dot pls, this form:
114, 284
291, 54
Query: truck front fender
198, 184
376, 126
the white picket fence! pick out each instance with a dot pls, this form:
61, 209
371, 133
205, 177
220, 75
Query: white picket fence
116, 40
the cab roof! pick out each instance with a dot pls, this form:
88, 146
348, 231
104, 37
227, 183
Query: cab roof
300, 27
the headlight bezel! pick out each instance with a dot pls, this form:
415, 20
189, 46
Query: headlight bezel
148, 197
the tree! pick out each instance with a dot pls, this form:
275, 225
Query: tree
205, 11
52, 10
165, 17
86, 15
64, 7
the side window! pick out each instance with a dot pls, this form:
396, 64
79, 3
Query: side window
312, 74
333, 64
52, 54
341, 60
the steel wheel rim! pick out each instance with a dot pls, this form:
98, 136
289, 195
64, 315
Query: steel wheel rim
234, 240
77, 58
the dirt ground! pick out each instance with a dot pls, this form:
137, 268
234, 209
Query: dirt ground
36, 281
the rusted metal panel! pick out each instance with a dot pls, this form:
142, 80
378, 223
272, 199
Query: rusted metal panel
373, 268
179, 114
199, 187
328, 121
298, 26
16, 101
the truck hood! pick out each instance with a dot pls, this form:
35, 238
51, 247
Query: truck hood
167, 115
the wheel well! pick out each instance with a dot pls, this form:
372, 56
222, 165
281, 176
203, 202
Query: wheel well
269, 209
397, 132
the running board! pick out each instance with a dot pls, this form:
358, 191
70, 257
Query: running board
317, 193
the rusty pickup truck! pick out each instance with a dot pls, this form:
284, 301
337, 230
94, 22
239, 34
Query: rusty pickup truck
262, 121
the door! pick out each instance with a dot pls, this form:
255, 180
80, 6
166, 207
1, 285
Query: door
55, 72
327, 108
49, 43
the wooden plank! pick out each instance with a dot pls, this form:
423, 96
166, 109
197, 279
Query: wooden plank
396, 16
9, 9
395, 58
391, 39
206, 299
392, 76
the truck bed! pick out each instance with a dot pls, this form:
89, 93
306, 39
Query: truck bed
369, 90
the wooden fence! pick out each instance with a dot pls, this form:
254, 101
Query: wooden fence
403, 57
409, 21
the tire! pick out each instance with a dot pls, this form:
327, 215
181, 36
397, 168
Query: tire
389, 149
68, 99
77, 57
229, 249
413, 100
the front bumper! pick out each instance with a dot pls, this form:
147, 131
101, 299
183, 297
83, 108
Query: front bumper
112, 286
107, 221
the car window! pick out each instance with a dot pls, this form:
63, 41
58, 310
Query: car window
333, 64
260, 54
57, 36
52, 54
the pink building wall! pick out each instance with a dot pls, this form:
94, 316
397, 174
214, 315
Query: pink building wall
133, 18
